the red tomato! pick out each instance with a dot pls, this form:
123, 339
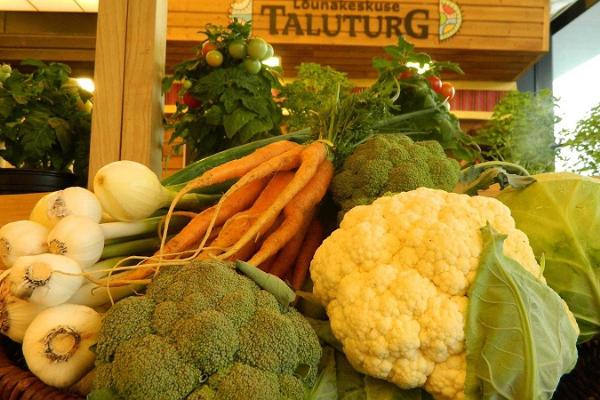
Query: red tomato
191, 101
208, 46
448, 91
436, 83
406, 74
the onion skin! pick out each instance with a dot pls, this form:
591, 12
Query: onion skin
129, 191
53, 207
21, 238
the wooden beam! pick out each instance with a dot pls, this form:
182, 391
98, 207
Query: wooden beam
109, 78
130, 58
142, 132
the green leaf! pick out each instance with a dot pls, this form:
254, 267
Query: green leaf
519, 339
560, 215
255, 127
63, 132
214, 115
377, 389
236, 121
325, 387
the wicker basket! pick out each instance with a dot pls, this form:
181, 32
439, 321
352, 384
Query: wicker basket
16, 383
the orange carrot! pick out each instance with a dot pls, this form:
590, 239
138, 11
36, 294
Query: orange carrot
241, 166
296, 212
198, 226
230, 170
267, 264
235, 226
312, 241
312, 157
287, 255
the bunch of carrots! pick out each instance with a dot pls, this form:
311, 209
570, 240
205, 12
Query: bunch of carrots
267, 218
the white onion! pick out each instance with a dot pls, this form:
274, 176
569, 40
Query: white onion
78, 238
129, 191
57, 344
21, 238
15, 314
45, 279
71, 201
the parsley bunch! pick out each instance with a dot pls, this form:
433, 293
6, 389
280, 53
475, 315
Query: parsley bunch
45, 120
223, 106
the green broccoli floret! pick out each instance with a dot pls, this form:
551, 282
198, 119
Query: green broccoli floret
392, 163
150, 368
203, 331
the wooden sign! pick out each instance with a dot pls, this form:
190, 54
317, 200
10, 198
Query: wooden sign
428, 24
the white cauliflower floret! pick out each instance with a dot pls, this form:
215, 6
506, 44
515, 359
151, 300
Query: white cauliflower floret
447, 381
394, 279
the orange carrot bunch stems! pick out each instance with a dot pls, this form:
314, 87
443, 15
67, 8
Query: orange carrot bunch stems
263, 218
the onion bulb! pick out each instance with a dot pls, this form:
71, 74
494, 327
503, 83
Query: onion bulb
22, 238
15, 314
57, 344
130, 191
71, 201
45, 279
78, 238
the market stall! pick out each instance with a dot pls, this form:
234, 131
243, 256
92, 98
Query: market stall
335, 234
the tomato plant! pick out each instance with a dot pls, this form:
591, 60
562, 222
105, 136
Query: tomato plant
207, 47
435, 83
407, 74
238, 49
191, 101
257, 48
448, 91
252, 66
270, 52
214, 58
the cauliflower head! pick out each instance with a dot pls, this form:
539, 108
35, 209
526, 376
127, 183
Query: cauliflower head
394, 279
391, 163
205, 332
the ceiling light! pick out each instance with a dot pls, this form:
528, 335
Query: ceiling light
273, 62
86, 84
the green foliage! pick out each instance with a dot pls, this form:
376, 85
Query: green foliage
204, 331
559, 214
314, 89
519, 337
45, 122
339, 381
521, 131
388, 163
414, 93
585, 142
235, 106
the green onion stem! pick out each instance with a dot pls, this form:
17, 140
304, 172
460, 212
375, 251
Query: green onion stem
402, 117
134, 247
195, 201
118, 232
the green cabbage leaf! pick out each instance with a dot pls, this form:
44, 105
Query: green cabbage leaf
520, 338
560, 213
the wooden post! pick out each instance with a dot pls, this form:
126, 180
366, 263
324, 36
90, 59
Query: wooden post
130, 60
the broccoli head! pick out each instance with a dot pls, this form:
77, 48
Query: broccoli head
392, 163
203, 331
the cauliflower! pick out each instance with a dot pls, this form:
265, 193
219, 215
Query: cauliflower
390, 163
204, 332
394, 279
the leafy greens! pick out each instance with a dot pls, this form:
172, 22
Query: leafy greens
560, 213
519, 337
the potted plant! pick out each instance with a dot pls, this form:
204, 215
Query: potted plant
226, 95
45, 123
